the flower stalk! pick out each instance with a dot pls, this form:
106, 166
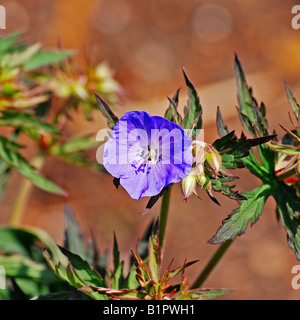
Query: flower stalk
163, 218
212, 263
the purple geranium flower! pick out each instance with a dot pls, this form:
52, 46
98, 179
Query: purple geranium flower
147, 153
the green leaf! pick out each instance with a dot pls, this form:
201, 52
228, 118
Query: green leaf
19, 266
46, 58
116, 253
78, 273
154, 255
172, 113
19, 58
40, 181
117, 276
74, 145
14, 160
233, 149
285, 149
222, 128
252, 117
208, 294
106, 111
74, 240
244, 92
17, 241
123, 294
142, 249
248, 212
193, 110
288, 205
5, 172
7, 44
292, 100
24, 120
220, 186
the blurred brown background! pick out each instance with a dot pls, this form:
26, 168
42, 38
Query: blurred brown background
147, 43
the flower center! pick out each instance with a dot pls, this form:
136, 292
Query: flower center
153, 155
146, 158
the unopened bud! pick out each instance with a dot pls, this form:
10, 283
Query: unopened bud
199, 153
214, 161
201, 178
188, 185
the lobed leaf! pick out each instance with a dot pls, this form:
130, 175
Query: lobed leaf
248, 212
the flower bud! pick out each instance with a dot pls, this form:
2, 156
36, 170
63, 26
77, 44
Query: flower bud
199, 153
214, 161
201, 178
188, 185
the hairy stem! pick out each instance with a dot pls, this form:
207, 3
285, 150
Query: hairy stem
23, 194
163, 218
217, 256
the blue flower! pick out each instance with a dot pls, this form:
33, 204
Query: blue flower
147, 153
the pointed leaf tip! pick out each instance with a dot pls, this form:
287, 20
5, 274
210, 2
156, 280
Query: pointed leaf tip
106, 111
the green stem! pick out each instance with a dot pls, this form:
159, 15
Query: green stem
211, 264
163, 218
24, 192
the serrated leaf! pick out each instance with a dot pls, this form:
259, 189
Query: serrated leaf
233, 149
248, 213
77, 272
252, 117
220, 186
